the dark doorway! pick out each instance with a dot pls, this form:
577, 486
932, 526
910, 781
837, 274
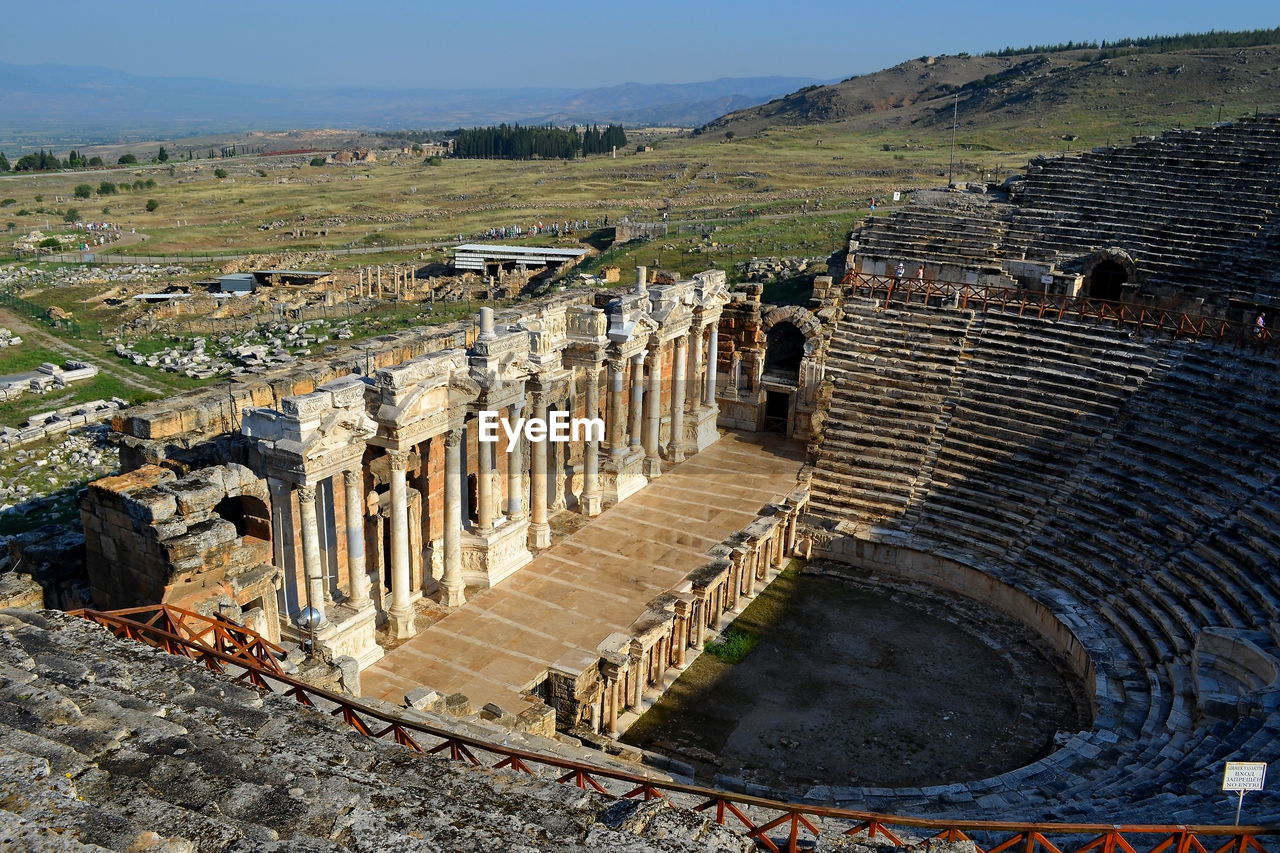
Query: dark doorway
777, 408
473, 505
249, 514
1106, 280
784, 349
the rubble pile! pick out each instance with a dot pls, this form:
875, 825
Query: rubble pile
38, 484
773, 269
266, 347
24, 277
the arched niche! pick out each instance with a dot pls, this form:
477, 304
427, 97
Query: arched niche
1107, 272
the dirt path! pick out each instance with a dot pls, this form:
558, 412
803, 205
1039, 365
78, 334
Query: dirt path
34, 333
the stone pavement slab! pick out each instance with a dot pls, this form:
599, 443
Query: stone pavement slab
596, 581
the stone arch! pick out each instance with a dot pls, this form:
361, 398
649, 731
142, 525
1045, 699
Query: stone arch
1107, 272
802, 318
791, 334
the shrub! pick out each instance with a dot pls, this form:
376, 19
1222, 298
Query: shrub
152, 204
72, 215
106, 188
219, 173
8, 201
126, 159
317, 161
83, 190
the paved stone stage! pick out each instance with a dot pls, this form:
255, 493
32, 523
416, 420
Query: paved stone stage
594, 582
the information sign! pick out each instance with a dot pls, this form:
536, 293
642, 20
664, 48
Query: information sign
1241, 777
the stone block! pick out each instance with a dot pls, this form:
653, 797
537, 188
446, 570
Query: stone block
458, 705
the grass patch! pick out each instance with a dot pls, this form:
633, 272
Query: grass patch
25, 357
733, 645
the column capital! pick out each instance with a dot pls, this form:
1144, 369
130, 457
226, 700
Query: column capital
399, 459
307, 493
353, 476
453, 438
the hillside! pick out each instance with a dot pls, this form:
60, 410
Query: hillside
1018, 98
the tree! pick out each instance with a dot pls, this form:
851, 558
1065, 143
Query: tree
219, 173
162, 155
72, 215
50, 243
83, 190
729, 135
96, 161
152, 204
126, 159
106, 188
4, 162
41, 162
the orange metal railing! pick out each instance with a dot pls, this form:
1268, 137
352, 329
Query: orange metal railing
1013, 300
774, 825
194, 629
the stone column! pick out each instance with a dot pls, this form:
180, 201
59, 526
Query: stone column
400, 614
694, 398
484, 486
639, 679
675, 446
615, 424
611, 713
637, 398
357, 571
653, 411
557, 464
680, 636
454, 588
700, 621
515, 461
591, 501
312, 568
713, 355
539, 529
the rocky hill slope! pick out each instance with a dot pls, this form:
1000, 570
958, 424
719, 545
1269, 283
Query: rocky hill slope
1069, 90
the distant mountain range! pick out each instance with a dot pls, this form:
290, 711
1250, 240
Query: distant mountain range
101, 102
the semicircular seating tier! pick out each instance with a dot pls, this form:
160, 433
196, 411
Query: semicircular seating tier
1194, 209
1129, 486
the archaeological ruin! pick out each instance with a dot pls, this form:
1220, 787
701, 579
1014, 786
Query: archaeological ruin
1063, 407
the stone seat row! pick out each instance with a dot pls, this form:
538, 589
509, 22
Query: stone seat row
1162, 523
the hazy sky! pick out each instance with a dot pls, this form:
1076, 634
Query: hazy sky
464, 43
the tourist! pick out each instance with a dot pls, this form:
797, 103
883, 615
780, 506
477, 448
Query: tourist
920, 274
1260, 324
898, 272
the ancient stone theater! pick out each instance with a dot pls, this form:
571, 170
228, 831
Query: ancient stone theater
1055, 395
